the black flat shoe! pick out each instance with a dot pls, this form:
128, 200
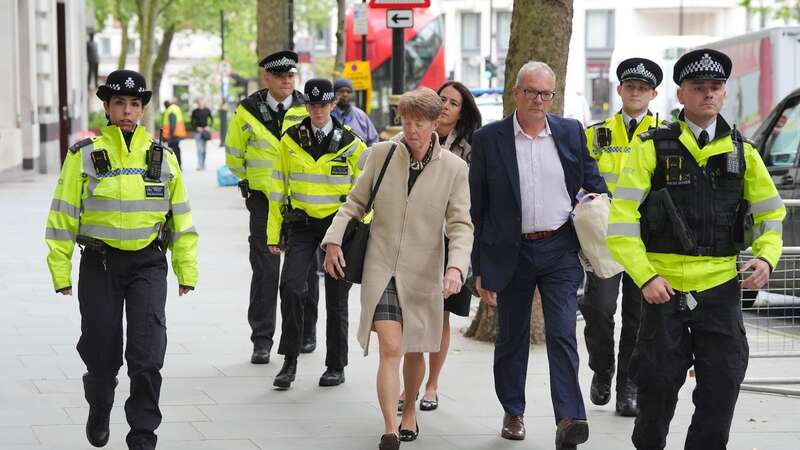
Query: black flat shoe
389, 442
408, 435
429, 405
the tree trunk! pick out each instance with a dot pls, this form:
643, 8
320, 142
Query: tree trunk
162, 56
338, 65
484, 325
126, 42
540, 30
147, 24
272, 18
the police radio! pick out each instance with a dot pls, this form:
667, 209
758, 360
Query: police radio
155, 157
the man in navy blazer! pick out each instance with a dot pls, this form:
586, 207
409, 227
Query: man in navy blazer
525, 174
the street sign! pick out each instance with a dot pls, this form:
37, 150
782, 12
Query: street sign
359, 73
399, 3
399, 18
360, 19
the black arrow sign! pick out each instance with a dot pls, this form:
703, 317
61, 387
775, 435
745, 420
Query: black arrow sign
396, 18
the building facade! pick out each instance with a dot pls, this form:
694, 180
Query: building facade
43, 83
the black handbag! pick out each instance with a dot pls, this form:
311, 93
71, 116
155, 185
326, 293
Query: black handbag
356, 234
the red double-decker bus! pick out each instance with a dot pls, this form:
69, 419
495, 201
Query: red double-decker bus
424, 55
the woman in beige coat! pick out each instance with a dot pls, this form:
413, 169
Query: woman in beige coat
423, 192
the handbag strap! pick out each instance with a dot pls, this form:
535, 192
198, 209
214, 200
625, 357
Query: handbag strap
380, 178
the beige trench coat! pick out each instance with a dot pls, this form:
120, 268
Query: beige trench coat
406, 239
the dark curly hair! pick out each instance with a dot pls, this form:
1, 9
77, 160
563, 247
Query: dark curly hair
469, 119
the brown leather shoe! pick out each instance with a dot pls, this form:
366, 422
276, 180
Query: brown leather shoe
513, 428
570, 433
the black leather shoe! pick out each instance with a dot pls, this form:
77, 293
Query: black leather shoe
332, 377
389, 442
408, 435
570, 433
600, 392
309, 345
284, 378
429, 405
626, 399
97, 431
260, 355
513, 428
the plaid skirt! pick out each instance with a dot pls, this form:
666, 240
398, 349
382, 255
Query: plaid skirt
388, 307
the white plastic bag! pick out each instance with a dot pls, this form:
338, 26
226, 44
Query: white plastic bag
590, 218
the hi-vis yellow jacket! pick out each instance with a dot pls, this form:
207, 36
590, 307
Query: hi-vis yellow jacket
317, 187
251, 148
611, 156
691, 273
119, 206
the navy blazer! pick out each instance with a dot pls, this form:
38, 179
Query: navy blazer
494, 188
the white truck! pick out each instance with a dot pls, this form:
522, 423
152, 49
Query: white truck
766, 68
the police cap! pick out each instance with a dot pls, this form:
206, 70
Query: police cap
280, 62
319, 90
640, 69
702, 64
126, 83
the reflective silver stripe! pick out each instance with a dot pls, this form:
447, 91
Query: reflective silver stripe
316, 199
179, 234
610, 177
64, 207
120, 234
166, 170
769, 204
259, 163
278, 175
275, 197
234, 152
317, 178
768, 225
95, 204
181, 208
238, 171
623, 229
59, 234
259, 143
88, 166
246, 127
634, 194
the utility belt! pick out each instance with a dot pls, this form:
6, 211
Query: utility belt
99, 246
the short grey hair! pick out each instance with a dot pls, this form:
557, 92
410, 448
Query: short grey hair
532, 66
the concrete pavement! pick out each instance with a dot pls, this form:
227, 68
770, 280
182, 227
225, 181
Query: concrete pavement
213, 398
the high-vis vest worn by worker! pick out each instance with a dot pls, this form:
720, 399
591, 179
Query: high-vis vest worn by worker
105, 192
251, 145
712, 174
318, 187
609, 145
180, 127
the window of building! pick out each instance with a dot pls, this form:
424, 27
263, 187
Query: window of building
105, 46
600, 29
503, 32
470, 49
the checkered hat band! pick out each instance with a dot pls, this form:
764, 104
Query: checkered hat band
279, 62
704, 65
328, 96
639, 72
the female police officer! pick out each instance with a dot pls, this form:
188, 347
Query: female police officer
122, 198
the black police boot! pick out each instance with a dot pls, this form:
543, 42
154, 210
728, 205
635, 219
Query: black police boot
284, 378
332, 377
600, 392
260, 354
99, 394
309, 343
626, 399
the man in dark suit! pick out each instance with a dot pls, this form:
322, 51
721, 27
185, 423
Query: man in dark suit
525, 174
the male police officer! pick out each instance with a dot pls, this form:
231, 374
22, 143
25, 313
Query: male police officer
316, 170
251, 148
122, 198
609, 143
680, 216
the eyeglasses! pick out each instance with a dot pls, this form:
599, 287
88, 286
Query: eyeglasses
531, 94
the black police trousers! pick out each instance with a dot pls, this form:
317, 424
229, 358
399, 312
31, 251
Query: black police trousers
133, 282
299, 262
264, 282
672, 339
598, 306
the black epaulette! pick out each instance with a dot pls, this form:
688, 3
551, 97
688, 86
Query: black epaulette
80, 144
737, 135
596, 124
666, 131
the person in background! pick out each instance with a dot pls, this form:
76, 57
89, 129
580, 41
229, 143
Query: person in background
172, 127
460, 117
349, 114
201, 120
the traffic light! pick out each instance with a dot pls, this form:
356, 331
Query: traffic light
490, 69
